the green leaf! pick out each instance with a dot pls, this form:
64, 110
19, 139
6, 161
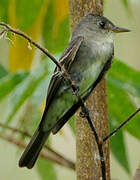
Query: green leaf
41, 91
118, 146
46, 170
125, 77
125, 3
55, 38
72, 123
127, 6
32, 9
122, 81
4, 7
26, 89
9, 82
3, 71
121, 107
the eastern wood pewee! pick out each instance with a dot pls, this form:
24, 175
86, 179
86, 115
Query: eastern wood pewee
87, 58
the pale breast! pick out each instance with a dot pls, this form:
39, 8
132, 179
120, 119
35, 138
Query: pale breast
103, 48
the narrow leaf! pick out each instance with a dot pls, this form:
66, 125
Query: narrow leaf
118, 147
127, 6
4, 4
35, 11
121, 107
32, 9
26, 89
57, 24
125, 77
125, 3
9, 82
3, 71
46, 170
72, 123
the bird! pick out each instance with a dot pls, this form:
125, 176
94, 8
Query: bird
87, 58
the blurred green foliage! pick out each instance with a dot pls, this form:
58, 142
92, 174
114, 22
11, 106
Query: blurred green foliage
46, 169
4, 10
26, 20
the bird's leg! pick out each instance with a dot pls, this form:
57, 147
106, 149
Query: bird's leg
84, 112
57, 73
75, 89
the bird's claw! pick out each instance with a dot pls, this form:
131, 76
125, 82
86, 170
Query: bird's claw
76, 90
57, 74
84, 113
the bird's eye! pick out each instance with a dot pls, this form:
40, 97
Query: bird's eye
102, 24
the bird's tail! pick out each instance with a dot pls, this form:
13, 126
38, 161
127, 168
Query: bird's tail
33, 149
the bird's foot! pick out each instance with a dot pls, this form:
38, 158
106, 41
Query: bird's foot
84, 113
76, 90
57, 74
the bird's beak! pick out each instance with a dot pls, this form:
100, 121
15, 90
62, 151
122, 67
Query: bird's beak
119, 29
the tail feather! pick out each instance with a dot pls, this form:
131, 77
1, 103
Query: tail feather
33, 149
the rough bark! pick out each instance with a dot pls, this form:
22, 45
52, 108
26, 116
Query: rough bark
88, 163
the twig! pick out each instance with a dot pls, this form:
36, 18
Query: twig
100, 149
73, 86
2, 32
13, 129
137, 174
42, 154
124, 123
65, 161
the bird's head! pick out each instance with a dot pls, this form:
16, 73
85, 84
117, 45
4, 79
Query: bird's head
97, 26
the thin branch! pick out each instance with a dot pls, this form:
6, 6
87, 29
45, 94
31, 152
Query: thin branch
65, 161
137, 174
57, 160
100, 149
13, 129
123, 124
2, 33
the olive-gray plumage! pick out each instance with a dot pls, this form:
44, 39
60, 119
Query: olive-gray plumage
87, 57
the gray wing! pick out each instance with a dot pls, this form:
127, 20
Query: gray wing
66, 59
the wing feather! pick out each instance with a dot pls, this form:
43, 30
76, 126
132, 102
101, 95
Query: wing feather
66, 59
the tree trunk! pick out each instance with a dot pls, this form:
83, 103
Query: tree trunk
88, 163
